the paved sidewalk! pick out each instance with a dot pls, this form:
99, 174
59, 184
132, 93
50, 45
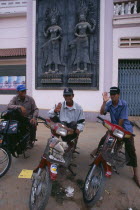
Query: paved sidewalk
137, 123
120, 191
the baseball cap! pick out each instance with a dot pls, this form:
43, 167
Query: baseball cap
67, 92
21, 88
114, 90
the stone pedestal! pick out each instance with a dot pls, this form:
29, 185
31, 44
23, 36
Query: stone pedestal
51, 78
80, 78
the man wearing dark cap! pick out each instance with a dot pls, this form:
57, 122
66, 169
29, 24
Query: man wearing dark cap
70, 113
28, 107
118, 110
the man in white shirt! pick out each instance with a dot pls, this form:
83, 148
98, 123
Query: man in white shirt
70, 114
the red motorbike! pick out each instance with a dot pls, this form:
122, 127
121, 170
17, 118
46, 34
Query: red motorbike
47, 170
109, 157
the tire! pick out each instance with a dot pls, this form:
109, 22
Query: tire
40, 190
94, 183
5, 161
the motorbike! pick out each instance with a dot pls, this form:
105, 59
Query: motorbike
14, 137
48, 168
109, 157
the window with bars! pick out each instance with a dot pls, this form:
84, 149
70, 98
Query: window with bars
129, 83
10, 77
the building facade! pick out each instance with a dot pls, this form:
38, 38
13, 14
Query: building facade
13, 44
119, 54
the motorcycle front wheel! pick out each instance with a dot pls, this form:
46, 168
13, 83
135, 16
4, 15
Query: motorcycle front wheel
94, 185
5, 161
40, 190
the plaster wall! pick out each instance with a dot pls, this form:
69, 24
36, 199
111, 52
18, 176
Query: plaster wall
13, 32
123, 53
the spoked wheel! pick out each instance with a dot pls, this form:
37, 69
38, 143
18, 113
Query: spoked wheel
94, 185
5, 161
40, 190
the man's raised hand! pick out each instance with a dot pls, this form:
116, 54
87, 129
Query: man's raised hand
58, 107
105, 97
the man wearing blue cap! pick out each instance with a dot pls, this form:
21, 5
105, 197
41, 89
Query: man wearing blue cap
28, 107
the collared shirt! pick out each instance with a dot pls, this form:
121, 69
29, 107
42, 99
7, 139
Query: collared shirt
119, 112
69, 114
28, 104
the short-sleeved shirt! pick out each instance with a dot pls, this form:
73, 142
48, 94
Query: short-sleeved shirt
119, 112
69, 114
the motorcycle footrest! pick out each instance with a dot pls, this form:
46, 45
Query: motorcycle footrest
69, 168
73, 164
76, 152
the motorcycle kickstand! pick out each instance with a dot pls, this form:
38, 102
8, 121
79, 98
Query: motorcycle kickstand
24, 155
73, 164
115, 170
69, 168
76, 152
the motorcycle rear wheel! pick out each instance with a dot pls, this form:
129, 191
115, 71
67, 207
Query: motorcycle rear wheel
40, 190
94, 185
5, 161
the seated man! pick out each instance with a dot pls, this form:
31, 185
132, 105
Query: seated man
69, 113
28, 107
118, 110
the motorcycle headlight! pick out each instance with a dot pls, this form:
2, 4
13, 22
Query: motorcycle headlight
118, 133
4, 114
3, 124
61, 131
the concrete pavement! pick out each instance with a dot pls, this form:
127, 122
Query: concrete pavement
120, 191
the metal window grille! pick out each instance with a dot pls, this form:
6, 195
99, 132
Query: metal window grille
129, 83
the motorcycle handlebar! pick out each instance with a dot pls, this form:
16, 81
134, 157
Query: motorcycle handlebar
41, 118
100, 118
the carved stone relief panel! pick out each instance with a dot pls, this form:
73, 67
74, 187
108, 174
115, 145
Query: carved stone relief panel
67, 44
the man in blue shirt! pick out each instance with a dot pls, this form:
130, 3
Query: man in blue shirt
118, 110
